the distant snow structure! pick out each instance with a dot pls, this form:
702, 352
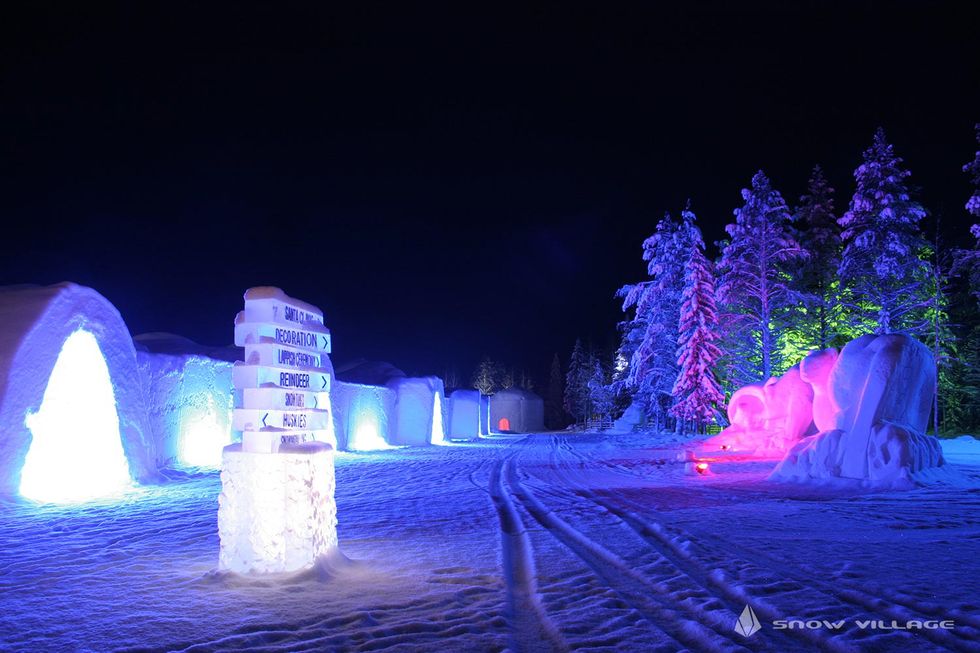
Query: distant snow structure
189, 397
464, 415
415, 402
516, 411
872, 417
72, 413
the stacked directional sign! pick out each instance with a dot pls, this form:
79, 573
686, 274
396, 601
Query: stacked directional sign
276, 511
284, 382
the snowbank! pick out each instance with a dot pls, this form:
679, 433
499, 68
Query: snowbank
415, 402
464, 415
874, 412
35, 324
516, 411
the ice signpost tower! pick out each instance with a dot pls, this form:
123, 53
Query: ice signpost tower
276, 512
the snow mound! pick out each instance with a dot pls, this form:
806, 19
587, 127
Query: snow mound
876, 402
35, 324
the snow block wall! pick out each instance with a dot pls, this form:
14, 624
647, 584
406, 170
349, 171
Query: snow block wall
873, 412
464, 415
415, 402
189, 399
276, 511
516, 411
35, 324
362, 415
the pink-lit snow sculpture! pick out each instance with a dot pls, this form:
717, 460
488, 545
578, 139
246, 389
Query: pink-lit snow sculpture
767, 419
872, 418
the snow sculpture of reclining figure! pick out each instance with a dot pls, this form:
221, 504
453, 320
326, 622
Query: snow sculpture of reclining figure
768, 418
872, 414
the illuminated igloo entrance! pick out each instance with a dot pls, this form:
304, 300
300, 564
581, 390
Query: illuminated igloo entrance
72, 413
76, 450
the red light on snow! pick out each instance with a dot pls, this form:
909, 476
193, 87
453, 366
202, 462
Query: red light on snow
725, 447
701, 467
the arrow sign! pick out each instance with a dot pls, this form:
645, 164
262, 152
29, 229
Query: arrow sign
272, 440
272, 304
244, 375
283, 399
311, 337
268, 353
251, 419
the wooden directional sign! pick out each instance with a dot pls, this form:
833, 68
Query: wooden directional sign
273, 305
254, 419
267, 353
253, 333
284, 398
244, 375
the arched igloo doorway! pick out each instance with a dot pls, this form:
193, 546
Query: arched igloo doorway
503, 424
70, 385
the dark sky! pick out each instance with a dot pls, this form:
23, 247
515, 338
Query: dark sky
444, 184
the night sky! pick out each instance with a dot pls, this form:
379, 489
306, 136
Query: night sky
443, 184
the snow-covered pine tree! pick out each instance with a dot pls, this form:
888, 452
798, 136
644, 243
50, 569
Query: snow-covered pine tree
577, 383
696, 388
650, 338
600, 392
755, 288
819, 234
554, 412
883, 269
968, 260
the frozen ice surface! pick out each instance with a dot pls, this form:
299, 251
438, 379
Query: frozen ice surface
584, 541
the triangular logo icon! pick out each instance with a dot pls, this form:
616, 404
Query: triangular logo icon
747, 624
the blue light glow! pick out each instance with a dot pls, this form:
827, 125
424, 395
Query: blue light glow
367, 432
76, 452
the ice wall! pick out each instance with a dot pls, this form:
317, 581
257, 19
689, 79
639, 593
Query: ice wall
519, 410
362, 415
35, 323
189, 400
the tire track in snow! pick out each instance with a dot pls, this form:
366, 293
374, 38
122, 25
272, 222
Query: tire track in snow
678, 556
650, 600
531, 630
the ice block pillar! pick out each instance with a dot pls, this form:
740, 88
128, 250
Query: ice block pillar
276, 512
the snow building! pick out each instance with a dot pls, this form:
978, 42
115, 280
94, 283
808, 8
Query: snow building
73, 420
464, 415
189, 398
516, 411
419, 417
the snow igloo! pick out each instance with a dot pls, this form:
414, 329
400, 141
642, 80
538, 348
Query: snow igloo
72, 414
420, 410
516, 411
464, 415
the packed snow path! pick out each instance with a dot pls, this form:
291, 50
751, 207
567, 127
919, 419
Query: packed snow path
549, 542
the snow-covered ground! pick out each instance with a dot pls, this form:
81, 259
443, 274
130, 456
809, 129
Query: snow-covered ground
547, 542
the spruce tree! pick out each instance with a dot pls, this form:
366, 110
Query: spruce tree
600, 392
755, 287
554, 412
577, 383
819, 235
696, 388
650, 339
883, 268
